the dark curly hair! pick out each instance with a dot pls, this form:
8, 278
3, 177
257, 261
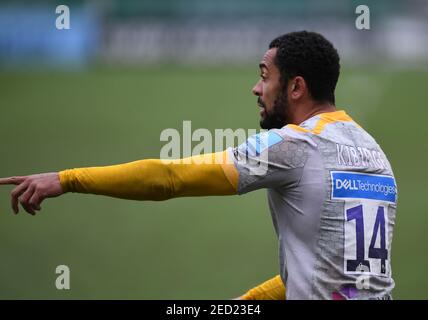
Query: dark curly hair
311, 56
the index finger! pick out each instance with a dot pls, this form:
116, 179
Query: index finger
11, 180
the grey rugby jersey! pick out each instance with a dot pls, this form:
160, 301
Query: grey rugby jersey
332, 197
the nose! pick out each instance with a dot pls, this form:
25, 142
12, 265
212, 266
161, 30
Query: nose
257, 89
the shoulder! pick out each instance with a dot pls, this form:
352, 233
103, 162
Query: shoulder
262, 142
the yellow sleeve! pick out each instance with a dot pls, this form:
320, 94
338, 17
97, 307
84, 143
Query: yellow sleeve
272, 289
155, 179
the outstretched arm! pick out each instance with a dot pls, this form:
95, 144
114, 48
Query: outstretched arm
151, 179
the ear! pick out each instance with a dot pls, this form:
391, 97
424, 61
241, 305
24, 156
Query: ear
297, 88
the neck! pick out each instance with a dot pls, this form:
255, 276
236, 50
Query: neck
309, 110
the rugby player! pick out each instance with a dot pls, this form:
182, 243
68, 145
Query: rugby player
330, 187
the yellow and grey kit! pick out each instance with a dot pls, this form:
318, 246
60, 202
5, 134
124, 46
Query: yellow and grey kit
331, 192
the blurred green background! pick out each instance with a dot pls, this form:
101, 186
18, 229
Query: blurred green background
194, 248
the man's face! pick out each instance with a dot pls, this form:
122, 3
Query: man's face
272, 100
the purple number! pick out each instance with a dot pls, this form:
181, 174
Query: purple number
356, 214
382, 252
